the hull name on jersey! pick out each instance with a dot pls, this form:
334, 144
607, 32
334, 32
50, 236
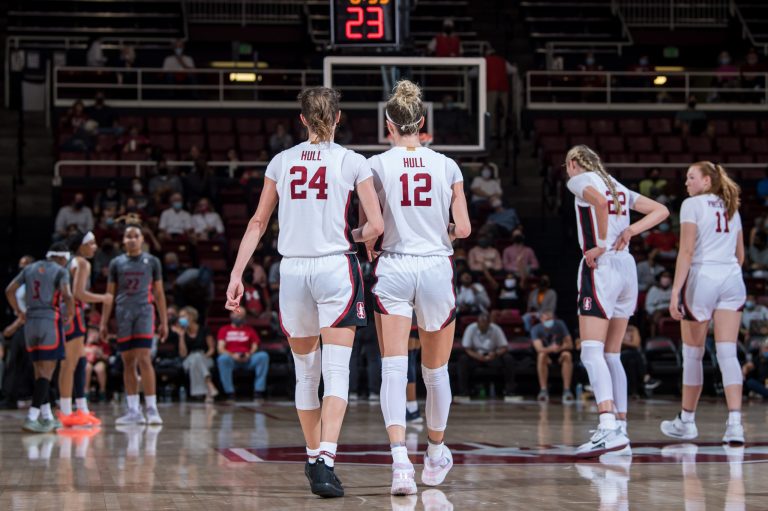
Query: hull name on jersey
413, 163
310, 156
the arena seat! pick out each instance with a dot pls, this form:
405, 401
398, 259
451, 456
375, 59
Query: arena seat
664, 361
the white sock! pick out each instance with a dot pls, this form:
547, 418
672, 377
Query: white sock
45, 412
150, 442
133, 402
434, 451
619, 381
65, 403
82, 404
400, 453
394, 380
687, 416
593, 358
150, 401
438, 397
33, 413
328, 452
46, 450
734, 417
412, 406
608, 421
312, 455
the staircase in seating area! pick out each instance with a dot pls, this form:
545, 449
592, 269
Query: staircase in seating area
148, 19
753, 15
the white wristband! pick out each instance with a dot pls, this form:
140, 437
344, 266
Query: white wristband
602, 243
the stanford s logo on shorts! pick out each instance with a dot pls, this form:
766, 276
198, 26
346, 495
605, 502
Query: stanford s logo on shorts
587, 304
360, 310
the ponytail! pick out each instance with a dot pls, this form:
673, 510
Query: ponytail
722, 185
590, 161
320, 106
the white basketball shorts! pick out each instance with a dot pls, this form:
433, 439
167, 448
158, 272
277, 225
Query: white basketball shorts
610, 290
710, 287
320, 292
405, 283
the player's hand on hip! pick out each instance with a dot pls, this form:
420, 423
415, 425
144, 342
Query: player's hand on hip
22, 317
674, 307
70, 318
234, 295
623, 240
591, 256
370, 250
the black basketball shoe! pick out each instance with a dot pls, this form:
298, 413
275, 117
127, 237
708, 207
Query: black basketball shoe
323, 480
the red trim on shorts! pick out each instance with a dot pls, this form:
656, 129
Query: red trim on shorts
452, 314
132, 337
351, 298
57, 327
594, 291
686, 309
280, 320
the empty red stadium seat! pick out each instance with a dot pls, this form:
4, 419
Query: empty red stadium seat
681, 158
221, 142
722, 126
588, 140
620, 158
574, 126
699, 144
611, 144
551, 143
545, 126
668, 327
189, 124
160, 124
659, 125
215, 264
231, 211
739, 158
73, 171
252, 143
651, 158
219, 124
670, 144
247, 125
756, 144
187, 140
166, 142
642, 144
631, 126
603, 127
129, 121
729, 145
746, 127
67, 155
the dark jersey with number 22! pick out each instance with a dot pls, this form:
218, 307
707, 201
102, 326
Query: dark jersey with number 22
134, 278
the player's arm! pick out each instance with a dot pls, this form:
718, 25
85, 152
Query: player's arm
69, 300
740, 248
106, 311
370, 213
162, 309
253, 233
461, 227
79, 288
600, 204
682, 266
10, 295
654, 213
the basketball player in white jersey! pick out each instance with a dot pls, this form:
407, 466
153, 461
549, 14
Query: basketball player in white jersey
418, 189
709, 285
321, 288
607, 287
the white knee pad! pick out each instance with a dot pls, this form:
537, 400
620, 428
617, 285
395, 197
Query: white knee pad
618, 380
438, 396
593, 358
729, 364
693, 372
308, 370
394, 380
336, 370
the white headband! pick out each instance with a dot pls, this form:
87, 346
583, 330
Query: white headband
53, 253
402, 126
89, 237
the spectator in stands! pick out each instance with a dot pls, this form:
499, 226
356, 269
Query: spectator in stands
446, 43
758, 255
752, 76
510, 293
518, 258
662, 242
234, 162
199, 182
762, 188
273, 276
239, 348
756, 372
504, 219
484, 256
256, 299
95, 56
195, 154
81, 127
691, 121
141, 201
127, 56
497, 72
648, 271
541, 299
176, 221
76, 214
133, 141
657, 300
107, 251
754, 317
104, 115
97, 352
207, 222
485, 345
634, 364
164, 183
471, 297
109, 198
280, 140
197, 349
726, 77
653, 184
107, 226
486, 188
179, 60
553, 343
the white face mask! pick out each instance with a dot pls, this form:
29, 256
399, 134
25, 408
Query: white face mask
486, 173
510, 283
137, 188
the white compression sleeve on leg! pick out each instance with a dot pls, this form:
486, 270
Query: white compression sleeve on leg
619, 381
438, 396
394, 380
593, 358
308, 370
693, 371
336, 370
729, 364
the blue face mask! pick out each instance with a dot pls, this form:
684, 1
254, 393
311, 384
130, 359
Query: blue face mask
183, 322
549, 323
664, 227
749, 305
177, 205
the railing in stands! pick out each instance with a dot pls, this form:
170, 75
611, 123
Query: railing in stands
245, 12
192, 88
647, 91
746, 32
138, 165
673, 13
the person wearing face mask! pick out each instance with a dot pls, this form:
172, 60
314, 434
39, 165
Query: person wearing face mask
691, 121
105, 116
239, 348
752, 76
164, 183
510, 293
540, 299
484, 257
486, 188
662, 242
754, 319
77, 213
518, 258
726, 74
109, 198
553, 343
107, 226
197, 348
648, 271
657, 300
176, 222
471, 297
178, 61
206, 222
446, 43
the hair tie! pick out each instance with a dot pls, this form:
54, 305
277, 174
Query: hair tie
88, 238
54, 253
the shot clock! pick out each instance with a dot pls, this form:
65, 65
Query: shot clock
371, 23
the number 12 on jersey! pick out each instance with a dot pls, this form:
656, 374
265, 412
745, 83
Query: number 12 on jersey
418, 199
